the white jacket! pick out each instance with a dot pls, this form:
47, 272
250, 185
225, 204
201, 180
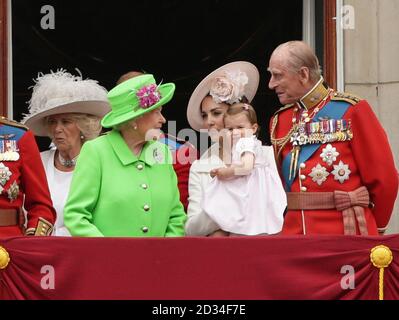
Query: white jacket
198, 222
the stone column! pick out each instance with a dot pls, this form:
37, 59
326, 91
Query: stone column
371, 57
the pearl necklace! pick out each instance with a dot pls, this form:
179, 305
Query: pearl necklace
66, 162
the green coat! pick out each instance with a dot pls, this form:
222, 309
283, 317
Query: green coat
117, 194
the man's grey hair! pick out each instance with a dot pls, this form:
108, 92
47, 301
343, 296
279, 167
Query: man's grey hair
300, 54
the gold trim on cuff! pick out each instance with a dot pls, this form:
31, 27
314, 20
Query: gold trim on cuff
44, 228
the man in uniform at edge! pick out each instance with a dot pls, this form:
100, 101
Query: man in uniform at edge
22, 183
333, 154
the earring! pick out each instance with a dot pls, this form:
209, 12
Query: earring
135, 127
82, 137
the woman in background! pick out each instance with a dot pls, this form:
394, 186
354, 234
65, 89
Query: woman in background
67, 109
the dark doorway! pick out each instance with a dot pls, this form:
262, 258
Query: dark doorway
178, 41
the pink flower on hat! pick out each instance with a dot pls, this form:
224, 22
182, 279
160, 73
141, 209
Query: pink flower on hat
148, 95
221, 90
229, 88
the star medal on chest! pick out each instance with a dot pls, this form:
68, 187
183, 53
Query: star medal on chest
319, 174
5, 174
8, 149
341, 172
329, 154
13, 191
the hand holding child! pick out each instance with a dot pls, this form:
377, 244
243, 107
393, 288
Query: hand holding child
222, 173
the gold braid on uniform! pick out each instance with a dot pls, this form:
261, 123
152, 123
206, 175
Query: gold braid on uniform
280, 143
348, 97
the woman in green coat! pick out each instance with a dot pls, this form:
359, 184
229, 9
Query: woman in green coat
124, 184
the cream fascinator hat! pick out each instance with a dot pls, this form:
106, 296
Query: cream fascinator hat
227, 84
61, 92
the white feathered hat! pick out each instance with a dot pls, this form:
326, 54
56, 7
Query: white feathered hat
61, 92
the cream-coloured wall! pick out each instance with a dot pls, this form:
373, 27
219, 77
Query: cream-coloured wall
371, 66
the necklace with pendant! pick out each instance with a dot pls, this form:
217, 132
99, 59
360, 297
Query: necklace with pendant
67, 162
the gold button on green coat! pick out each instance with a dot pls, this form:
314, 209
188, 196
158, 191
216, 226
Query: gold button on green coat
107, 197
145, 229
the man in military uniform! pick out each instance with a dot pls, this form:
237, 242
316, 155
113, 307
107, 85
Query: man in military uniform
183, 152
334, 157
22, 184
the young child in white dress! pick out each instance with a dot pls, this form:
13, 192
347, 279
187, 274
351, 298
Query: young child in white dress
246, 197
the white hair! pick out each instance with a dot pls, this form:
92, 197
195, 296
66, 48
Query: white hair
300, 54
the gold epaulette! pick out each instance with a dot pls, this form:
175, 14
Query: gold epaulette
6, 121
348, 97
284, 108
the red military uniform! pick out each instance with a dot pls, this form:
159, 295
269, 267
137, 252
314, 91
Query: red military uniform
184, 154
350, 167
22, 183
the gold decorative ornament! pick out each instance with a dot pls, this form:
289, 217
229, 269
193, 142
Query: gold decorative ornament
43, 228
4, 258
381, 257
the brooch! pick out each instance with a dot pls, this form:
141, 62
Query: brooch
319, 174
5, 174
329, 154
341, 172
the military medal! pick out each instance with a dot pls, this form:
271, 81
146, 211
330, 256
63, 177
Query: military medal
341, 172
13, 191
329, 154
5, 174
9, 150
328, 130
298, 139
319, 174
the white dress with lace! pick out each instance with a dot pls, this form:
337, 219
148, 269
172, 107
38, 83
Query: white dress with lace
248, 205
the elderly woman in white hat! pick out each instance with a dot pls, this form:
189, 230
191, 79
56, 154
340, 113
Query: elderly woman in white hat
124, 184
229, 84
67, 109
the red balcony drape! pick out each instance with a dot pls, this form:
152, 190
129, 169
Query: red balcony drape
238, 268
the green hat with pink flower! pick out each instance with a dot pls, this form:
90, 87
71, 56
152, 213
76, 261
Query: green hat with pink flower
135, 97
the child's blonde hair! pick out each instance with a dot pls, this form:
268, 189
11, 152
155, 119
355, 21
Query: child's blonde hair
245, 108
